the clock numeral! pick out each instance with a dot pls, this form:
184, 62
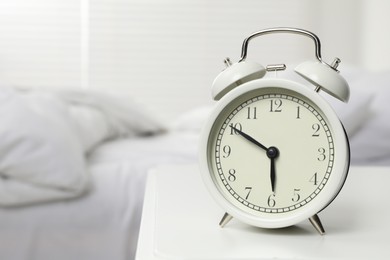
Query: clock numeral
233, 128
322, 155
252, 113
298, 112
276, 105
296, 197
232, 175
271, 200
226, 150
314, 179
316, 127
248, 191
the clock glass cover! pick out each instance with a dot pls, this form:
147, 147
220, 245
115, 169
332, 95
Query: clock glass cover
271, 151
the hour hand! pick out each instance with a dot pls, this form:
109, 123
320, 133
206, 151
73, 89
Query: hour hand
249, 138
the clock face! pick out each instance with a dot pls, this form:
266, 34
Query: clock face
271, 151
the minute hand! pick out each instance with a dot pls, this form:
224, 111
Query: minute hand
250, 138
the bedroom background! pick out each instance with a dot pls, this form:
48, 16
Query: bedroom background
159, 58
165, 54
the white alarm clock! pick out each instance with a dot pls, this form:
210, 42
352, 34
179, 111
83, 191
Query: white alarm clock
273, 152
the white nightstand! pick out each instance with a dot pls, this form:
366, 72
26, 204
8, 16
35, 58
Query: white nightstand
180, 221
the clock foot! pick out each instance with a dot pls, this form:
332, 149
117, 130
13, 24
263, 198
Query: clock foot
316, 222
225, 219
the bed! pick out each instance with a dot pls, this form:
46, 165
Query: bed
73, 164
73, 169
103, 223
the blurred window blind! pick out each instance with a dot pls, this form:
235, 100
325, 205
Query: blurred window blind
41, 42
167, 53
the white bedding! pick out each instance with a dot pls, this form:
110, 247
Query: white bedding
72, 172
45, 137
104, 223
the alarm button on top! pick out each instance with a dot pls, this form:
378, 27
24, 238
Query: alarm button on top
235, 75
325, 77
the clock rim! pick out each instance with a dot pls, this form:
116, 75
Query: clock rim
325, 197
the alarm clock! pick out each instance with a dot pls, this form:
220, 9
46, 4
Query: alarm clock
273, 152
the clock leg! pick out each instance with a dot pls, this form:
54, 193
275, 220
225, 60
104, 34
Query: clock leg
316, 222
225, 219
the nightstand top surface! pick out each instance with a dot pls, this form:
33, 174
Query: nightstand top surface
180, 221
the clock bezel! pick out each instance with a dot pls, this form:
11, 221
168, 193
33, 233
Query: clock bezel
323, 199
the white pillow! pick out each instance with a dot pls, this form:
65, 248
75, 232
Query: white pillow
39, 149
371, 144
92, 127
355, 113
100, 116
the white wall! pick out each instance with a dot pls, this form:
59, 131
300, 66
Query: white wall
167, 53
358, 30
40, 42
375, 26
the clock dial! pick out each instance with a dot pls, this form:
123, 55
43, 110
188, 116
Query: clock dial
271, 151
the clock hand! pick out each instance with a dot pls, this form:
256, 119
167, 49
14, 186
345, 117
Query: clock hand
249, 138
272, 174
272, 153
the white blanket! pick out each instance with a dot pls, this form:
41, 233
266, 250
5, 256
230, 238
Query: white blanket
45, 136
